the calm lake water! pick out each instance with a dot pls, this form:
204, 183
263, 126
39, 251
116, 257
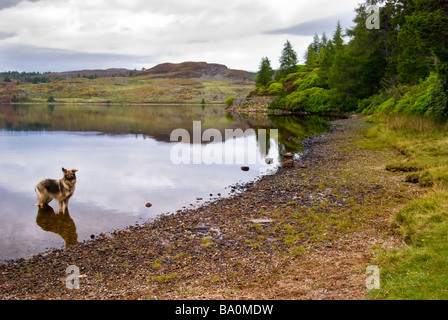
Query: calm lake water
124, 159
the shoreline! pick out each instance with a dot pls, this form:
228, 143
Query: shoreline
257, 110
247, 246
231, 109
118, 103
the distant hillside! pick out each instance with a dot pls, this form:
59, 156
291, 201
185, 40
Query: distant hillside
197, 70
188, 82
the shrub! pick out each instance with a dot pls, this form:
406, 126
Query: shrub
229, 101
297, 100
318, 100
310, 80
427, 98
277, 89
387, 106
439, 105
309, 100
369, 105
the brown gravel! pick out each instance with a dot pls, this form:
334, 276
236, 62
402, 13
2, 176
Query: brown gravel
306, 232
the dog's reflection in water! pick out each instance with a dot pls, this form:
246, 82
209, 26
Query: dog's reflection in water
60, 223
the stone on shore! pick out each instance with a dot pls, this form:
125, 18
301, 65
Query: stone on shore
288, 164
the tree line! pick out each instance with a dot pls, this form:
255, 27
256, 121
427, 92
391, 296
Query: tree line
33, 77
402, 66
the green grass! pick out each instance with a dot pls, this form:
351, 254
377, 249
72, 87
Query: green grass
418, 270
163, 278
423, 141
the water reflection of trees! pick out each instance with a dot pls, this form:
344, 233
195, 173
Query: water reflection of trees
292, 129
153, 121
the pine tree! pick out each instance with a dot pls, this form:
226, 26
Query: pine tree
323, 44
422, 39
265, 73
327, 52
314, 50
326, 57
359, 66
338, 41
288, 61
316, 45
310, 56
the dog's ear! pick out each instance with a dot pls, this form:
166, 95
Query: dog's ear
74, 170
64, 170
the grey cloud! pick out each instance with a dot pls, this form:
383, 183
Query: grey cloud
31, 58
5, 35
4, 4
327, 25
8, 4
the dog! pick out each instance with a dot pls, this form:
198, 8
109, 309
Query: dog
61, 190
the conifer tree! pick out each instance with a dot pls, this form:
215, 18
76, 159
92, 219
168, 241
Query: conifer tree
310, 56
316, 45
288, 60
265, 73
338, 41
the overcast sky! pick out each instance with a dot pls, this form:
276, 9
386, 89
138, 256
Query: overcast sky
62, 35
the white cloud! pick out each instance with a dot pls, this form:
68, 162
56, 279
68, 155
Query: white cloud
231, 32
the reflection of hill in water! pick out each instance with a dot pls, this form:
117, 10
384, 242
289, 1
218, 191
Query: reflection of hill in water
154, 121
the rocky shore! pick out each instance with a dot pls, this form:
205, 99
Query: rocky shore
306, 232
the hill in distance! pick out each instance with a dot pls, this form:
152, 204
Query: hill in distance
198, 70
187, 82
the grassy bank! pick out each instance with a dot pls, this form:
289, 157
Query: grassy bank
419, 269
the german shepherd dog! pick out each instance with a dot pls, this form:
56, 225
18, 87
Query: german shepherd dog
61, 190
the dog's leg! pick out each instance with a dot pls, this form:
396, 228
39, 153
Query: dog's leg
66, 204
60, 206
41, 205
